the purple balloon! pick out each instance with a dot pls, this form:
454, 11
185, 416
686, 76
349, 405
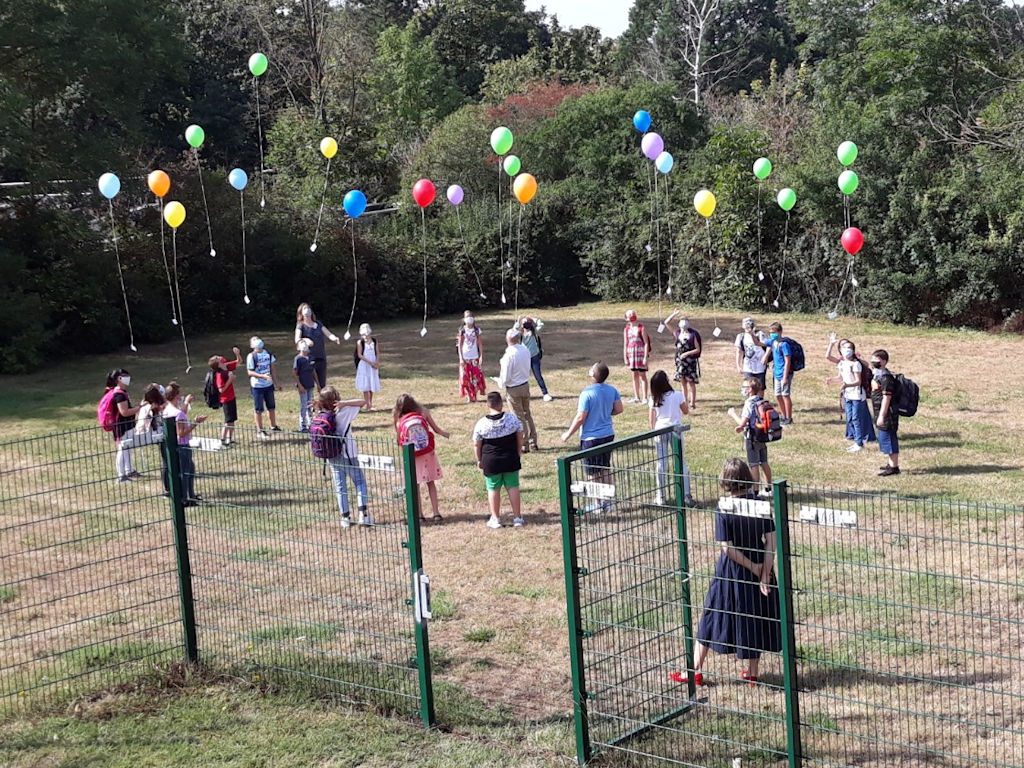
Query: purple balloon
455, 194
652, 145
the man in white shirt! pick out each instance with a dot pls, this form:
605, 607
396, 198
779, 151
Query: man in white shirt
515, 379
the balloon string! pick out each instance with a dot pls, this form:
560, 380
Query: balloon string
839, 299
465, 248
355, 279
760, 264
423, 247
671, 243
177, 290
782, 267
510, 222
202, 187
259, 133
120, 275
245, 261
711, 258
519, 258
323, 198
657, 248
167, 269
501, 243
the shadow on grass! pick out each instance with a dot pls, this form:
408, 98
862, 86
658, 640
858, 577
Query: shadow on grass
963, 469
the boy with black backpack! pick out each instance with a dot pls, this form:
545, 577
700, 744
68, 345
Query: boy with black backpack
787, 358
885, 394
759, 423
219, 392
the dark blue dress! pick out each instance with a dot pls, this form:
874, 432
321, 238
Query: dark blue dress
737, 618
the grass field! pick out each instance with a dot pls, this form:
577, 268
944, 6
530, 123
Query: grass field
500, 641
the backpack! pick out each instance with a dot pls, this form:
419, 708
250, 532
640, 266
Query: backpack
361, 349
211, 393
105, 415
865, 376
698, 342
765, 425
323, 439
796, 352
908, 396
412, 428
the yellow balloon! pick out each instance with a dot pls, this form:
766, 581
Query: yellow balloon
705, 202
524, 187
174, 214
328, 147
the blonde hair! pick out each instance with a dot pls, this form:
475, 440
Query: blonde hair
328, 399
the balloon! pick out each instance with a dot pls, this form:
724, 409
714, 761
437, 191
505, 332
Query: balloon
257, 64
762, 168
423, 192
159, 183
524, 187
642, 120
511, 165
852, 240
848, 182
705, 202
195, 136
238, 179
109, 185
664, 162
328, 147
786, 199
354, 203
174, 214
847, 152
652, 145
501, 140
455, 194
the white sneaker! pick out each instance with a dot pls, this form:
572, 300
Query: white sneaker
346, 521
365, 518
659, 500
262, 435
548, 398
518, 522
493, 522
854, 448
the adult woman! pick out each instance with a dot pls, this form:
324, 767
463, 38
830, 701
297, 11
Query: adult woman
530, 326
178, 410
124, 413
307, 327
851, 370
688, 351
636, 348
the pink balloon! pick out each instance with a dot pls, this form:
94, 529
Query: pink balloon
455, 194
423, 192
852, 240
652, 145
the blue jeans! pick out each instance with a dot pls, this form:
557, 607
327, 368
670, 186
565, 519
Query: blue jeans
664, 445
305, 408
188, 472
342, 468
535, 367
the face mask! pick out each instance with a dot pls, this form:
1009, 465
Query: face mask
259, 345
307, 312
775, 337
684, 324
848, 353
470, 321
125, 380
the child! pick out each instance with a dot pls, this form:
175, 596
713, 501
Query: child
224, 378
470, 348
124, 412
346, 464
667, 409
741, 611
367, 375
150, 419
498, 441
781, 354
636, 346
414, 424
177, 409
263, 382
531, 327
858, 421
757, 453
305, 380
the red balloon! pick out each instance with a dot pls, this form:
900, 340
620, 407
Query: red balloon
423, 192
852, 240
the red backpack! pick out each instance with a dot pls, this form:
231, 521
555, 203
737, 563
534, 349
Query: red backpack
413, 428
765, 425
106, 416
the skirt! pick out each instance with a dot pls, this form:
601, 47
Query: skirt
428, 468
471, 381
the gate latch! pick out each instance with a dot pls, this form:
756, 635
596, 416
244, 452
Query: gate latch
421, 588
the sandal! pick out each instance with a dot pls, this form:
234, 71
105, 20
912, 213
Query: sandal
436, 518
683, 677
749, 678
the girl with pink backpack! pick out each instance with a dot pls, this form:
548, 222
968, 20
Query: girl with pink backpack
414, 424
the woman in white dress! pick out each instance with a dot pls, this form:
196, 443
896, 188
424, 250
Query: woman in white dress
367, 370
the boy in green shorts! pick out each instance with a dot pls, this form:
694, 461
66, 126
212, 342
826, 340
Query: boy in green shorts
498, 441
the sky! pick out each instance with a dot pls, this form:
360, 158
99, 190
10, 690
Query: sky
610, 16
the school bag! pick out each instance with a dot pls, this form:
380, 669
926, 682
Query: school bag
362, 350
210, 391
865, 376
796, 352
765, 425
105, 415
907, 397
412, 428
324, 442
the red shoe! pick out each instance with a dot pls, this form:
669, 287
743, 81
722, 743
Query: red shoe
749, 678
682, 677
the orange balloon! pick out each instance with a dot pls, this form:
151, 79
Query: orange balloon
159, 183
524, 187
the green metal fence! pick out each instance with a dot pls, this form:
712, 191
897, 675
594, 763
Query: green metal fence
901, 622
100, 578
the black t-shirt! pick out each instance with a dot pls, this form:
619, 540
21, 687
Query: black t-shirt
499, 445
882, 385
123, 423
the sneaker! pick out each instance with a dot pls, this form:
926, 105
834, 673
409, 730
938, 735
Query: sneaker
518, 522
659, 500
855, 448
889, 471
534, 446
785, 422
303, 429
124, 479
346, 521
262, 435
634, 399
275, 429
493, 522
548, 398
591, 509
690, 501
526, 449
764, 493
365, 518
190, 503
226, 443
134, 475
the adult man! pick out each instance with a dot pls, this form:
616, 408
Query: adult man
884, 388
750, 348
515, 379
781, 355
598, 403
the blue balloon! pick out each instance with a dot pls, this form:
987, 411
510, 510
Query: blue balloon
109, 185
664, 162
238, 179
355, 203
642, 120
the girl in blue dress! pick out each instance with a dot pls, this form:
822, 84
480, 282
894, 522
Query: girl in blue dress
741, 611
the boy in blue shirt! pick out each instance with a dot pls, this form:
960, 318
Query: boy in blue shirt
597, 404
781, 355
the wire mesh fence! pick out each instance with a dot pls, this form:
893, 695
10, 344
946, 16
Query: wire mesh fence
891, 633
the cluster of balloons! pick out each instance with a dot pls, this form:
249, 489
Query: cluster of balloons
524, 185
852, 238
651, 143
786, 197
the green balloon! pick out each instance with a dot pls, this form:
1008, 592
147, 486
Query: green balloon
195, 136
257, 64
511, 165
501, 140
762, 168
847, 152
848, 182
786, 199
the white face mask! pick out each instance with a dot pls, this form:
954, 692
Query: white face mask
125, 380
307, 312
470, 321
684, 324
847, 353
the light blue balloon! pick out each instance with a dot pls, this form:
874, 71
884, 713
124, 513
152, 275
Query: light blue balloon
238, 179
664, 162
109, 185
355, 203
642, 120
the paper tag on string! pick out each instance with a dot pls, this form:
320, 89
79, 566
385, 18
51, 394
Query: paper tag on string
423, 331
648, 247
134, 348
174, 321
717, 332
246, 297
853, 281
347, 336
503, 299
833, 315
760, 276
312, 248
668, 291
263, 203
775, 303
213, 252
661, 327
483, 296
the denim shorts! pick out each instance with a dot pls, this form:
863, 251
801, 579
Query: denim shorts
263, 396
888, 442
595, 465
782, 390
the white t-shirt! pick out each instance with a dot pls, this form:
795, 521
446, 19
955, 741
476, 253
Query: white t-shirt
850, 369
670, 412
469, 346
343, 419
753, 355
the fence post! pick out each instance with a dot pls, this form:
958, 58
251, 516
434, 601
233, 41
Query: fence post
412, 512
185, 596
684, 560
572, 602
786, 618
